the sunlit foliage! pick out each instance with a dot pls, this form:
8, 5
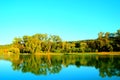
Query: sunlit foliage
42, 43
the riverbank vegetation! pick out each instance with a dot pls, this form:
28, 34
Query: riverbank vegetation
44, 43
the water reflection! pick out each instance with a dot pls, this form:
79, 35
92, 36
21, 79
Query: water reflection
43, 65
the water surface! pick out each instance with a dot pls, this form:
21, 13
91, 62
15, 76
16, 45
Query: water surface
61, 67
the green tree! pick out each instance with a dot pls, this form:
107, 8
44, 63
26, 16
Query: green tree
18, 43
100, 35
107, 35
118, 32
83, 46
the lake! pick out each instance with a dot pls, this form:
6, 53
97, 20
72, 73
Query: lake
60, 67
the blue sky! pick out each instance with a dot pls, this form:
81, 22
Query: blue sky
70, 19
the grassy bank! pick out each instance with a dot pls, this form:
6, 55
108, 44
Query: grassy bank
97, 53
91, 53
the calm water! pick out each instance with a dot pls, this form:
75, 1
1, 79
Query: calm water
64, 67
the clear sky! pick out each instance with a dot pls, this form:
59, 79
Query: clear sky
70, 19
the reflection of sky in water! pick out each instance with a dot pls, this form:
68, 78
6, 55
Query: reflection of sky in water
67, 73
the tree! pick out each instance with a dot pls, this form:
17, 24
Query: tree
118, 32
100, 35
55, 43
83, 46
18, 43
107, 35
38, 43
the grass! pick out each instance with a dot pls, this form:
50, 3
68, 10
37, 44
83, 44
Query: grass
91, 53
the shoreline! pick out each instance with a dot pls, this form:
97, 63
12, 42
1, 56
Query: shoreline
91, 53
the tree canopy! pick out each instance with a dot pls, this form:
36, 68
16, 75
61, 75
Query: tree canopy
42, 43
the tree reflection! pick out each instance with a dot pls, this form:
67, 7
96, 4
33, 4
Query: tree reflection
43, 65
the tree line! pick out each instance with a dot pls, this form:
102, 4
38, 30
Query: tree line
43, 43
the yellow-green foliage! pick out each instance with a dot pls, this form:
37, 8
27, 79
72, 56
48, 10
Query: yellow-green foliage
14, 50
8, 49
4, 48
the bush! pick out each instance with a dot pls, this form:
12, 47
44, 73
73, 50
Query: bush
14, 50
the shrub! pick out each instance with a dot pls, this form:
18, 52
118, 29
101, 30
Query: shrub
14, 50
